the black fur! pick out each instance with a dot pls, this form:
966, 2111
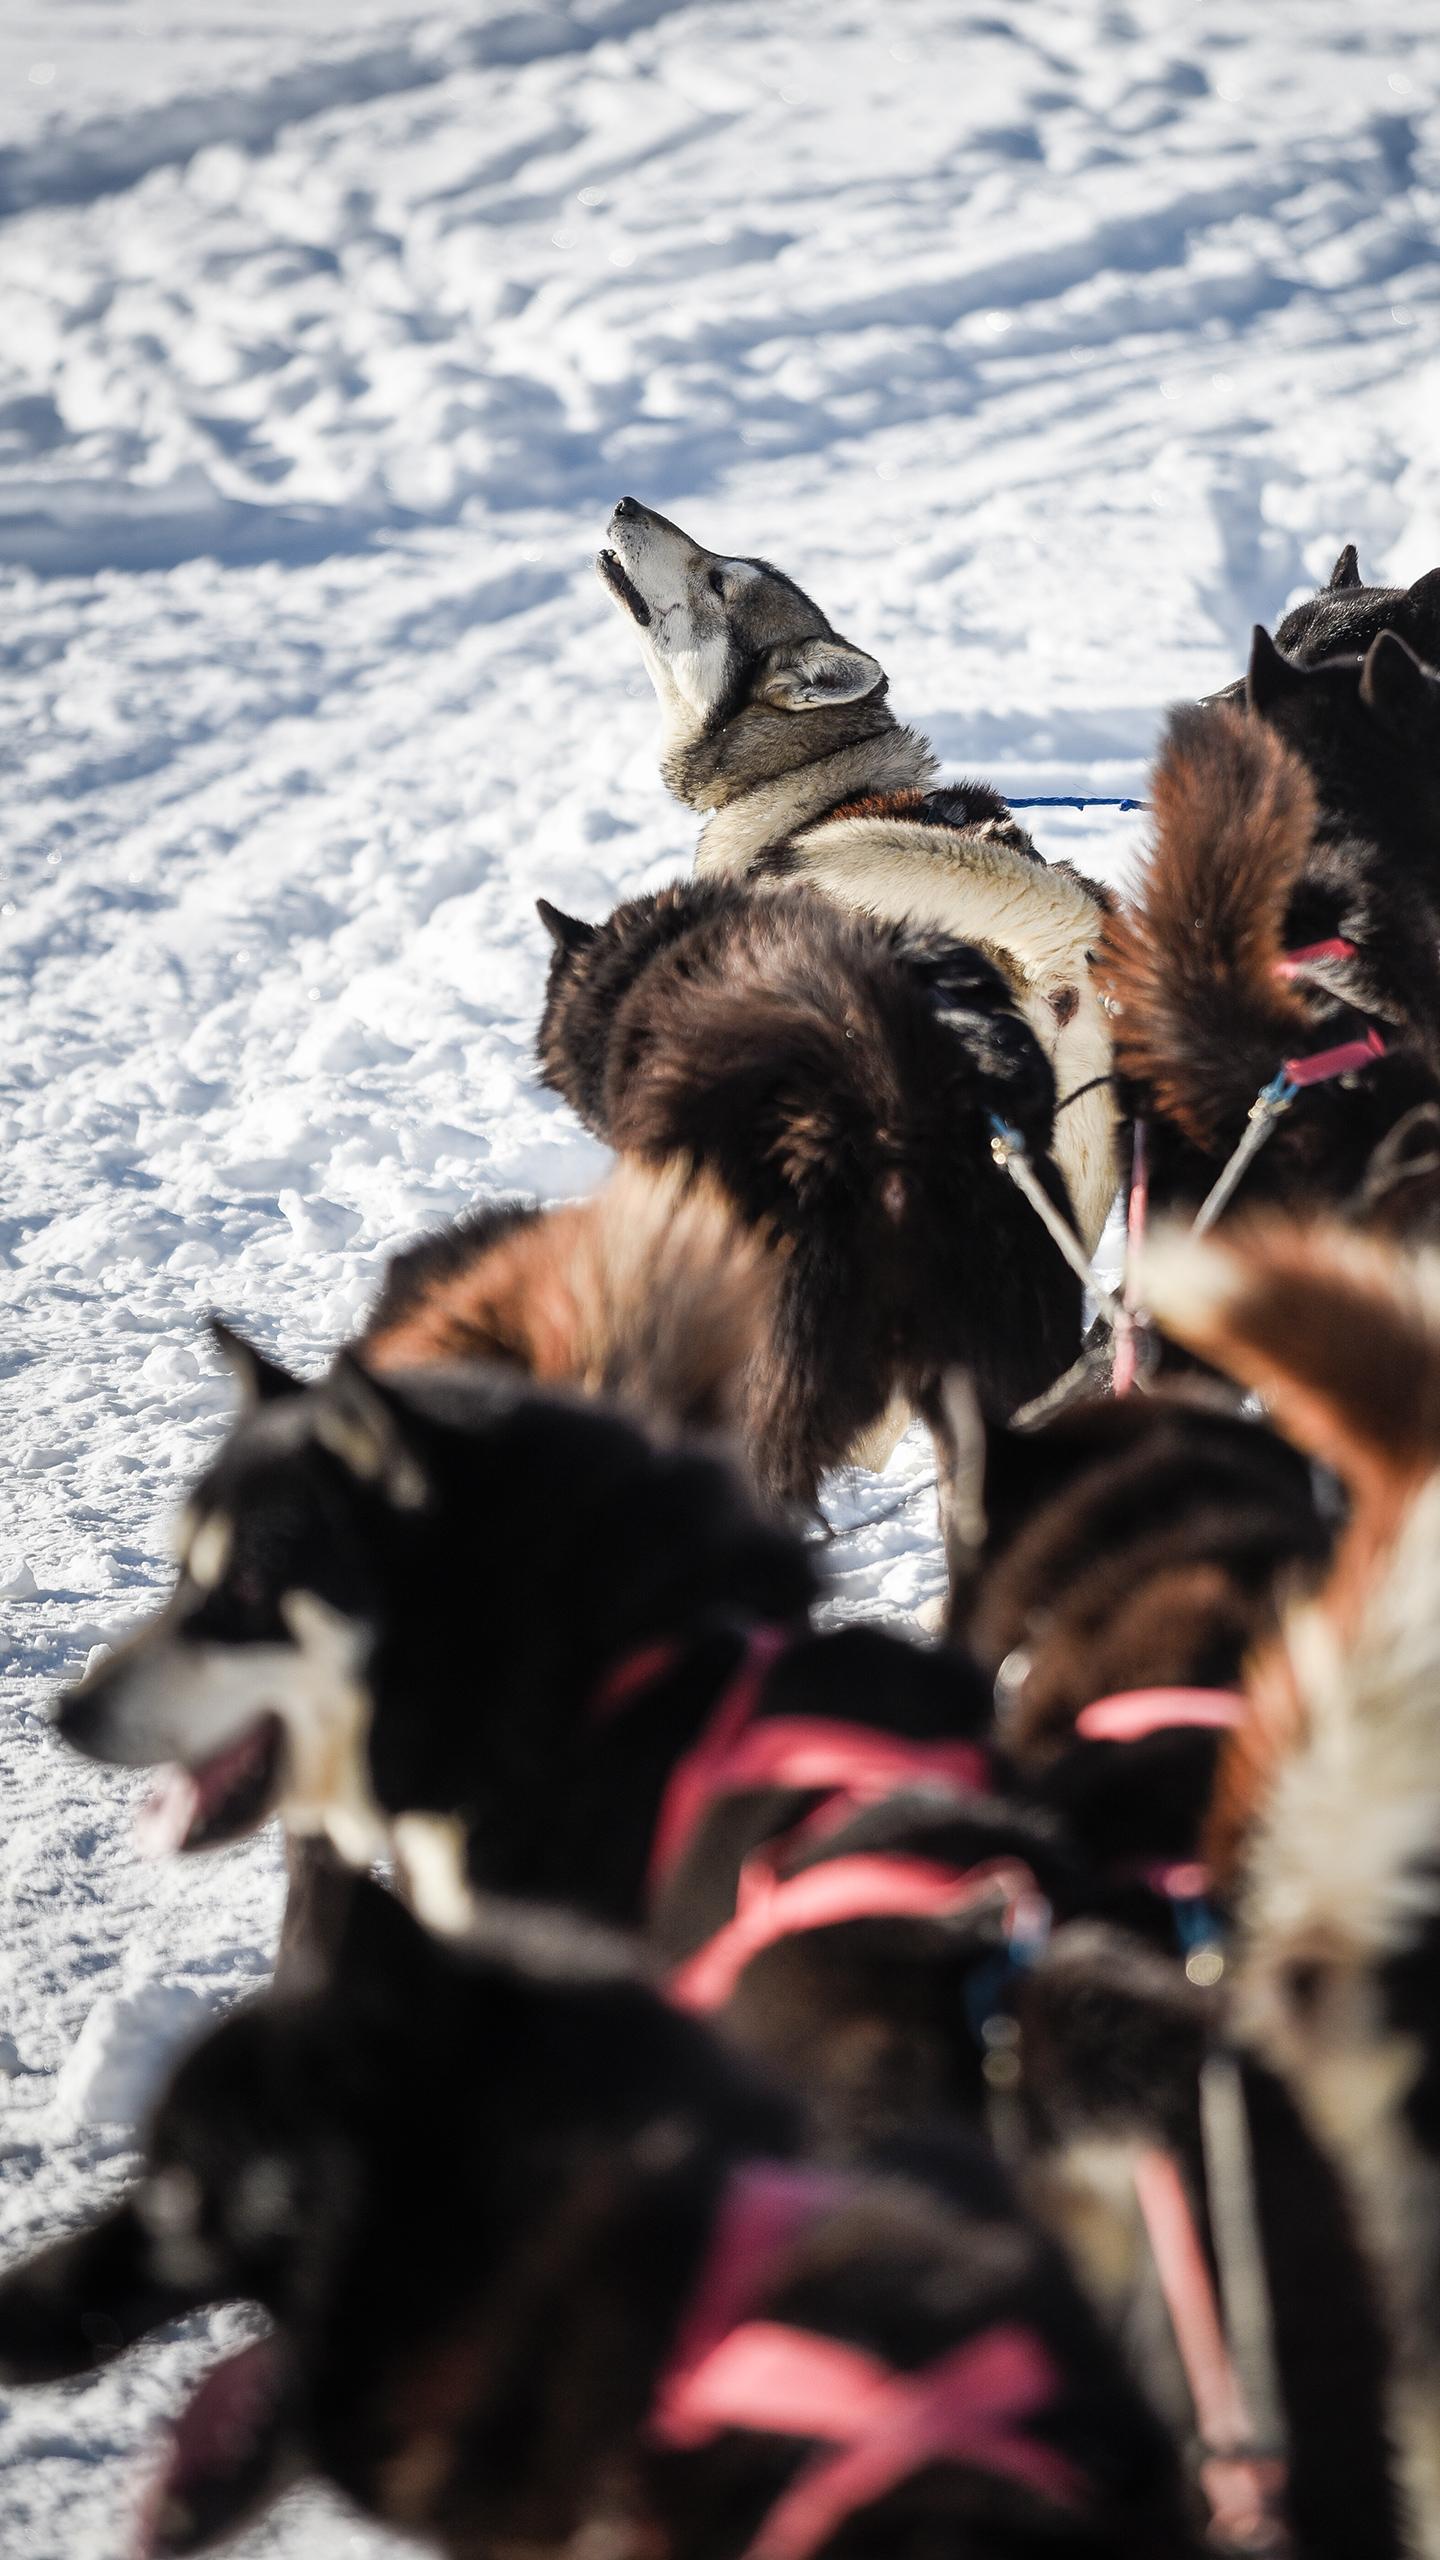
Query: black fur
1346, 615
1368, 732
1247, 867
473, 2190
1134, 1544
838, 1077
481, 1696
1113, 2042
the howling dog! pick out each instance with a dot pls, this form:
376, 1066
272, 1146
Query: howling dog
778, 731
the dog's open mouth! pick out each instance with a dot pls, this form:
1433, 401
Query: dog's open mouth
623, 587
221, 1799
229, 2455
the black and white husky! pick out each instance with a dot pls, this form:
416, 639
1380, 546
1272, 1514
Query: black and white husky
779, 731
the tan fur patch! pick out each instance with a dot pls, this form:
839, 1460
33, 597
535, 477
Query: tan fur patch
651, 1291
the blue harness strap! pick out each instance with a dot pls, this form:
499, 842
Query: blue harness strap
1073, 800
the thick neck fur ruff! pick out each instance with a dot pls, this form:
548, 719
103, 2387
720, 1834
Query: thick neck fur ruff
1040, 925
747, 824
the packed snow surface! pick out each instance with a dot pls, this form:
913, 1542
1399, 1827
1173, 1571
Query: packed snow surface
1049, 344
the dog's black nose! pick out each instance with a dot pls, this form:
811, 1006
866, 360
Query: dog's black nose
74, 1712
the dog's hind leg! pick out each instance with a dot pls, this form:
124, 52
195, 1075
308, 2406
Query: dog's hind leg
317, 1904
951, 1410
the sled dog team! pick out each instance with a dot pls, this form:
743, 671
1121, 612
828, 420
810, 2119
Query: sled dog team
807, 2091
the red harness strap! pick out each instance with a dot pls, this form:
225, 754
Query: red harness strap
854, 1763
769, 1907
1241, 2485
1133, 1715
1336, 1062
1290, 964
970, 2407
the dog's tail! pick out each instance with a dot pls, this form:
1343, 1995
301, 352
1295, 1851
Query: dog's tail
651, 1291
1330, 1791
1203, 1019
1339, 1332
824, 1064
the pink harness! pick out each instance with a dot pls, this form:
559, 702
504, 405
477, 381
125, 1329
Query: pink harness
1242, 2486
1269, 1106
769, 1907
1290, 964
853, 1764
879, 2425
1133, 1715
1336, 1062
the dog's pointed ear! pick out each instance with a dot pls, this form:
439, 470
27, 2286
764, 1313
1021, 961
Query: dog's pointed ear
364, 1424
568, 933
812, 675
1270, 673
381, 1944
1346, 572
1401, 692
260, 1379
1425, 592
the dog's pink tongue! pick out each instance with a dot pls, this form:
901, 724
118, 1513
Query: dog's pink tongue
229, 1788
219, 2455
164, 1820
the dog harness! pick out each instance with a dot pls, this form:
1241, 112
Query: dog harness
1242, 2470
1243, 2478
1133, 1715
874, 2424
886, 1885
1296, 1074
1136, 1715
1290, 963
850, 1763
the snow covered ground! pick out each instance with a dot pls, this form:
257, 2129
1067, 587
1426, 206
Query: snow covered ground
1049, 342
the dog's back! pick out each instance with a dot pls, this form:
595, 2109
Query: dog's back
838, 1078
652, 1291
955, 861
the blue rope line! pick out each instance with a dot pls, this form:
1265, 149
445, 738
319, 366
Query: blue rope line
1073, 801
